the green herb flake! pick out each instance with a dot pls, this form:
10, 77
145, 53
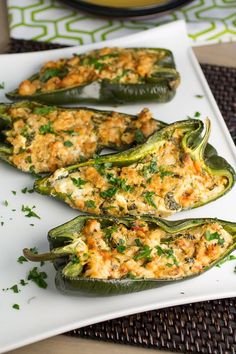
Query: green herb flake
2, 223
90, 204
43, 110
27, 190
230, 257
109, 231
34, 250
197, 114
78, 182
214, 236
138, 242
148, 197
46, 129
144, 252
29, 213
52, 72
2, 85
121, 246
21, 259
38, 277
109, 193
23, 282
68, 143
5, 203
13, 192
16, 307
15, 289
199, 96
139, 137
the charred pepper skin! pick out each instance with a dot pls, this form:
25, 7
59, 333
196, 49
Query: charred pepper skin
63, 235
7, 121
160, 88
193, 144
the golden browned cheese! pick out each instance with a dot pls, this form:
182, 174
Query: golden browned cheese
115, 64
60, 137
166, 181
140, 252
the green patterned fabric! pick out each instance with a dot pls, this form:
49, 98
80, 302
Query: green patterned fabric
49, 20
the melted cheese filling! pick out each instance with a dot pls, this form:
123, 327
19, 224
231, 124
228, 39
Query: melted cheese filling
141, 251
113, 64
163, 183
57, 138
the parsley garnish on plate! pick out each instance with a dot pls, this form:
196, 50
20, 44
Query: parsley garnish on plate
16, 306
78, 182
29, 213
43, 110
38, 277
2, 85
22, 259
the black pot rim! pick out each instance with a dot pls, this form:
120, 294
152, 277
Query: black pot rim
125, 12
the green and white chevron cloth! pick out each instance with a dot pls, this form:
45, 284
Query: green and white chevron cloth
49, 20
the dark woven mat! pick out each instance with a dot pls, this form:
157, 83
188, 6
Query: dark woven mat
203, 327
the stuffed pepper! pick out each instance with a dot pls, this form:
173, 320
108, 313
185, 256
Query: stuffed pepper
107, 75
39, 138
174, 170
110, 255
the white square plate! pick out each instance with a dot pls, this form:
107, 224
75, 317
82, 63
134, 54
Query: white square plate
44, 313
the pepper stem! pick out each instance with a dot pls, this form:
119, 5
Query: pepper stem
48, 256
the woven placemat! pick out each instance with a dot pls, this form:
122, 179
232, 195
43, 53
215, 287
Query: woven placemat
203, 327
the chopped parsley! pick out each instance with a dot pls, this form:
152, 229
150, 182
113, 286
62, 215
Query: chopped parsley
68, 143
214, 236
27, 190
90, 204
144, 252
139, 137
2, 85
46, 129
109, 231
230, 257
38, 277
199, 96
197, 114
13, 192
29, 213
109, 193
78, 182
23, 282
15, 288
2, 223
28, 159
21, 259
52, 72
168, 253
43, 110
16, 306
5, 203
148, 197
118, 182
121, 247
164, 173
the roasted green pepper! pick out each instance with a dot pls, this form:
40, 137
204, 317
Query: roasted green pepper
108, 75
173, 170
43, 138
108, 255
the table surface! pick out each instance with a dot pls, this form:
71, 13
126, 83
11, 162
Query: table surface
218, 54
